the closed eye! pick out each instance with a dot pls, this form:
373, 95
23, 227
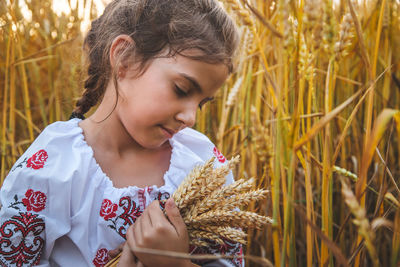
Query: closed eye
179, 92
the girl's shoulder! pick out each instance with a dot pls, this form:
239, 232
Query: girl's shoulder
59, 153
50, 184
61, 138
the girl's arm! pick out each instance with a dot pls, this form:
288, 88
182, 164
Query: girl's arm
31, 218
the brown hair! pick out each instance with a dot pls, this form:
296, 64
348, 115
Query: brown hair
155, 25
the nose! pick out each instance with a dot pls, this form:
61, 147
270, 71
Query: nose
187, 115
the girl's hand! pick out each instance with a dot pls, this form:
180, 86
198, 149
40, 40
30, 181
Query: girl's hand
128, 259
153, 230
114, 252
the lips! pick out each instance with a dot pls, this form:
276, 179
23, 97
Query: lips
169, 132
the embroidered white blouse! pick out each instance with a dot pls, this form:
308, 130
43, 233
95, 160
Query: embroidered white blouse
58, 208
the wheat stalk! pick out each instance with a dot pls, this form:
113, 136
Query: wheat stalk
189, 189
233, 93
361, 220
230, 233
346, 35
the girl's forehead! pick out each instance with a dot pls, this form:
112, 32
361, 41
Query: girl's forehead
209, 73
186, 59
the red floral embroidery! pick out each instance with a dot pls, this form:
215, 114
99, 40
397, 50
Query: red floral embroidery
35, 200
219, 155
21, 242
240, 254
101, 258
131, 211
108, 209
162, 196
37, 160
129, 214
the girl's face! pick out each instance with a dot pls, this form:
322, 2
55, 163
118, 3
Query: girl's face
165, 98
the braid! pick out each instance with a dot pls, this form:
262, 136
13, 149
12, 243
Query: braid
96, 81
94, 89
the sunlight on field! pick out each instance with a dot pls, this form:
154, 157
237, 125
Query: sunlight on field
64, 6
313, 109
60, 6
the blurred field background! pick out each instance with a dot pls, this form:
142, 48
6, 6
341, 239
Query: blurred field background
313, 110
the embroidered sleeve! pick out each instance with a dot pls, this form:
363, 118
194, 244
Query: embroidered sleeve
22, 229
30, 221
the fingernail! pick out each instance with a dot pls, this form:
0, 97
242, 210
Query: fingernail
172, 203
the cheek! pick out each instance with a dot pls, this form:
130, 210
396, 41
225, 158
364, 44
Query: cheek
144, 112
147, 100
156, 100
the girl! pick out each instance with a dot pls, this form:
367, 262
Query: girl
75, 192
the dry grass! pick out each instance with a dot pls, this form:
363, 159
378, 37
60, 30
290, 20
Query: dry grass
324, 80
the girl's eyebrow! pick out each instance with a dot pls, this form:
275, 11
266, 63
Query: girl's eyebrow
193, 82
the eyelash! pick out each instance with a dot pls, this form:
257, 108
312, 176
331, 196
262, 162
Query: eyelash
202, 103
181, 93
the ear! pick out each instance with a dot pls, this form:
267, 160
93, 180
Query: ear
118, 46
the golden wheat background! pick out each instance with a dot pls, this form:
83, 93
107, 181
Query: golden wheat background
313, 110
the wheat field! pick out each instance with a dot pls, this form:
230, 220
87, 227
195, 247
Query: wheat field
313, 110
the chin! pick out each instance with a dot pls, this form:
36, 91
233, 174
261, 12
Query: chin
152, 144
149, 141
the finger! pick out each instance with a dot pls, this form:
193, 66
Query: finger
127, 259
114, 252
143, 228
158, 218
135, 240
154, 206
175, 217
139, 264
146, 220
131, 237
137, 233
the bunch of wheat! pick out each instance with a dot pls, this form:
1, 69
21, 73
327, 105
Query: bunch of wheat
210, 209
